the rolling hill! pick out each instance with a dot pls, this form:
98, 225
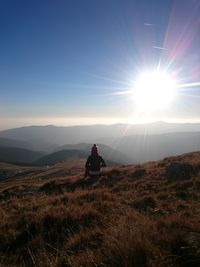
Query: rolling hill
35, 145
18, 155
60, 156
69, 153
6, 142
108, 152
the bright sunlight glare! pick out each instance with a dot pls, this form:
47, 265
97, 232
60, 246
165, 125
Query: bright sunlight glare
154, 91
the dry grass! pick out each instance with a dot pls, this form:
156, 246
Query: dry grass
131, 216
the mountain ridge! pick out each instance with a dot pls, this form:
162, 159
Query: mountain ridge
71, 134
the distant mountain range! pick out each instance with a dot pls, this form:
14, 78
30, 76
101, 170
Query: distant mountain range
118, 143
48, 137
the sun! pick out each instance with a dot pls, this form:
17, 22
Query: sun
154, 91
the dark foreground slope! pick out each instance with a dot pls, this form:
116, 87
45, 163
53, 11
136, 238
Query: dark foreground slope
136, 215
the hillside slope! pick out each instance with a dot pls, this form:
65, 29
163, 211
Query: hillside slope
134, 215
18, 155
35, 145
6, 142
61, 156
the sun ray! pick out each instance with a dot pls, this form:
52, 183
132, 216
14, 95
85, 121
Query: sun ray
107, 79
187, 85
124, 92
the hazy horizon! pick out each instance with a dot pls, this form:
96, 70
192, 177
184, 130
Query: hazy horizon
89, 122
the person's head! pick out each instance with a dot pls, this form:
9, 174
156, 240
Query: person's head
94, 151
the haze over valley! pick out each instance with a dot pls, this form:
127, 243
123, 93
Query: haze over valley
119, 143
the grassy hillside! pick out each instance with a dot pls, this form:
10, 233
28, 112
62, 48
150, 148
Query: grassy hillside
135, 215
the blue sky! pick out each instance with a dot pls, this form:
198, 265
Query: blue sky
62, 61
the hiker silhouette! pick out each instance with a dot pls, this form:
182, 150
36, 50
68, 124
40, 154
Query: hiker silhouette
94, 163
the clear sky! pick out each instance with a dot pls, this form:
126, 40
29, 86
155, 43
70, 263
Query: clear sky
62, 62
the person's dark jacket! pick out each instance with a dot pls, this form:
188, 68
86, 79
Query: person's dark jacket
95, 162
